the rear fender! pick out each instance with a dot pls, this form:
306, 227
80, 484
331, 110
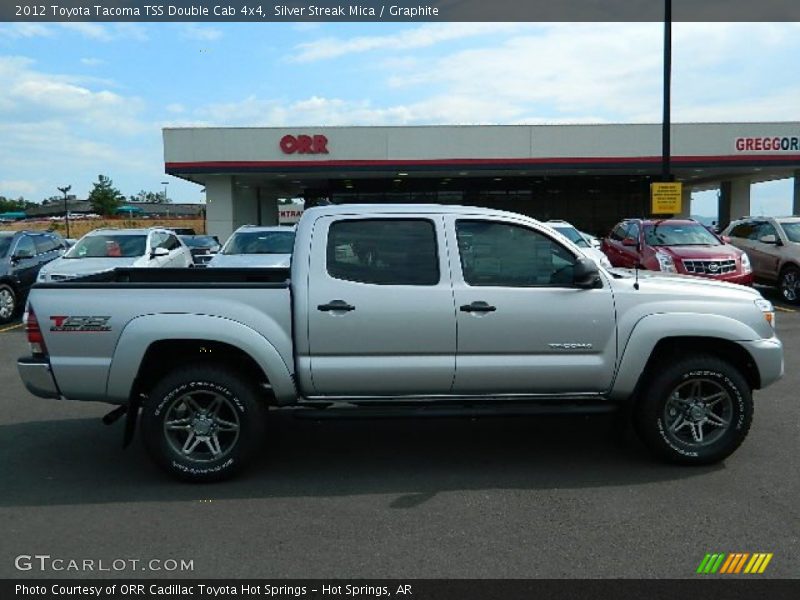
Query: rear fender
143, 331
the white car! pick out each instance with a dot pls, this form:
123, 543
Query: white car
106, 249
256, 246
577, 238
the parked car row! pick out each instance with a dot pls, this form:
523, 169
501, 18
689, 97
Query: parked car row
761, 249
27, 257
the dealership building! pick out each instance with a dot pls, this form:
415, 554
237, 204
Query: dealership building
591, 175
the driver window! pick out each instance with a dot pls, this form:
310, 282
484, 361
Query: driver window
502, 254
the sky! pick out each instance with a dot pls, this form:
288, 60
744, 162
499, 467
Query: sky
81, 99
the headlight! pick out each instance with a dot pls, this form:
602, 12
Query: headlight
746, 268
665, 263
765, 306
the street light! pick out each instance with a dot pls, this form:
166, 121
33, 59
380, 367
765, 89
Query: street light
64, 191
165, 184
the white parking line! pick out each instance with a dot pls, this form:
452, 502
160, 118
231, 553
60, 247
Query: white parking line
9, 328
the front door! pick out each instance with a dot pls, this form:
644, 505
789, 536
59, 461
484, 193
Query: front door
523, 328
381, 318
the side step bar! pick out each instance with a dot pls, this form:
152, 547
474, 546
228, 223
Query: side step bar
469, 411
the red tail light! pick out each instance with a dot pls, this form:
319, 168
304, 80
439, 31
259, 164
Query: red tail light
34, 333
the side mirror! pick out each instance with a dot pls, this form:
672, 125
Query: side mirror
585, 274
725, 239
630, 242
768, 239
155, 252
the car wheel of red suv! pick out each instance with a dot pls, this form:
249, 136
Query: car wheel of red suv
788, 284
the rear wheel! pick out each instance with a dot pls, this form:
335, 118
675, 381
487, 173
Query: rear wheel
203, 423
8, 303
789, 284
696, 411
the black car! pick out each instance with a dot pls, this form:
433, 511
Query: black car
202, 247
183, 230
22, 254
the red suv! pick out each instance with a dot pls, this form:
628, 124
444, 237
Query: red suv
676, 246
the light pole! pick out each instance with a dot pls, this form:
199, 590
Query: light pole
666, 166
64, 191
165, 184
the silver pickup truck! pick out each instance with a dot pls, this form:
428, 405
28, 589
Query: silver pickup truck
403, 310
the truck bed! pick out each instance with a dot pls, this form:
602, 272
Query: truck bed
142, 277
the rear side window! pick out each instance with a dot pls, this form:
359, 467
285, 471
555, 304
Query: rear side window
383, 251
502, 254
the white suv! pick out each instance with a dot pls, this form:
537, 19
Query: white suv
576, 237
106, 249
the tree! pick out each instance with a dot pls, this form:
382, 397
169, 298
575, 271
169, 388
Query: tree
145, 196
105, 198
10, 205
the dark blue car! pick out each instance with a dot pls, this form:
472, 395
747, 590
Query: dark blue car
22, 254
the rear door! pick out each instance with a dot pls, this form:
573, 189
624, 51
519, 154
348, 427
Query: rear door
765, 257
523, 328
381, 314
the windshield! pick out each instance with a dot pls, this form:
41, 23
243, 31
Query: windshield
108, 246
573, 235
679, 234
5, 244
199, 241
260, 242
792, 231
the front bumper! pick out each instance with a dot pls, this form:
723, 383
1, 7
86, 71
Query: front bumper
768, 356
38, 377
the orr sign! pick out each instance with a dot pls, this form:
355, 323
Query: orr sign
304, 144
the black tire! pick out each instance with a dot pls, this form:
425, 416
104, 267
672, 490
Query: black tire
219, 442
8, 303
789, 284
670, 425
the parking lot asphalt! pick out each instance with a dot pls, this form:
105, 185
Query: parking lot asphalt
452, 498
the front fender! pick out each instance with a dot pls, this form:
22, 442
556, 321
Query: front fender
651, 329
141, 332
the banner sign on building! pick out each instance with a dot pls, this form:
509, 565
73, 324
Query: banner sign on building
665, 198
289, 214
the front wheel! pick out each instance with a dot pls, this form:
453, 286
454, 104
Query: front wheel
696, 411
203, 423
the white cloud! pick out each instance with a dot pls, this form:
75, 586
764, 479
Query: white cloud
176, 108
93, 31
25, 30
14, 188
92, 62
200, 33
420, 37
29, 95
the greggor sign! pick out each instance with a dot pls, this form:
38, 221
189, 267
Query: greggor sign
665, 198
